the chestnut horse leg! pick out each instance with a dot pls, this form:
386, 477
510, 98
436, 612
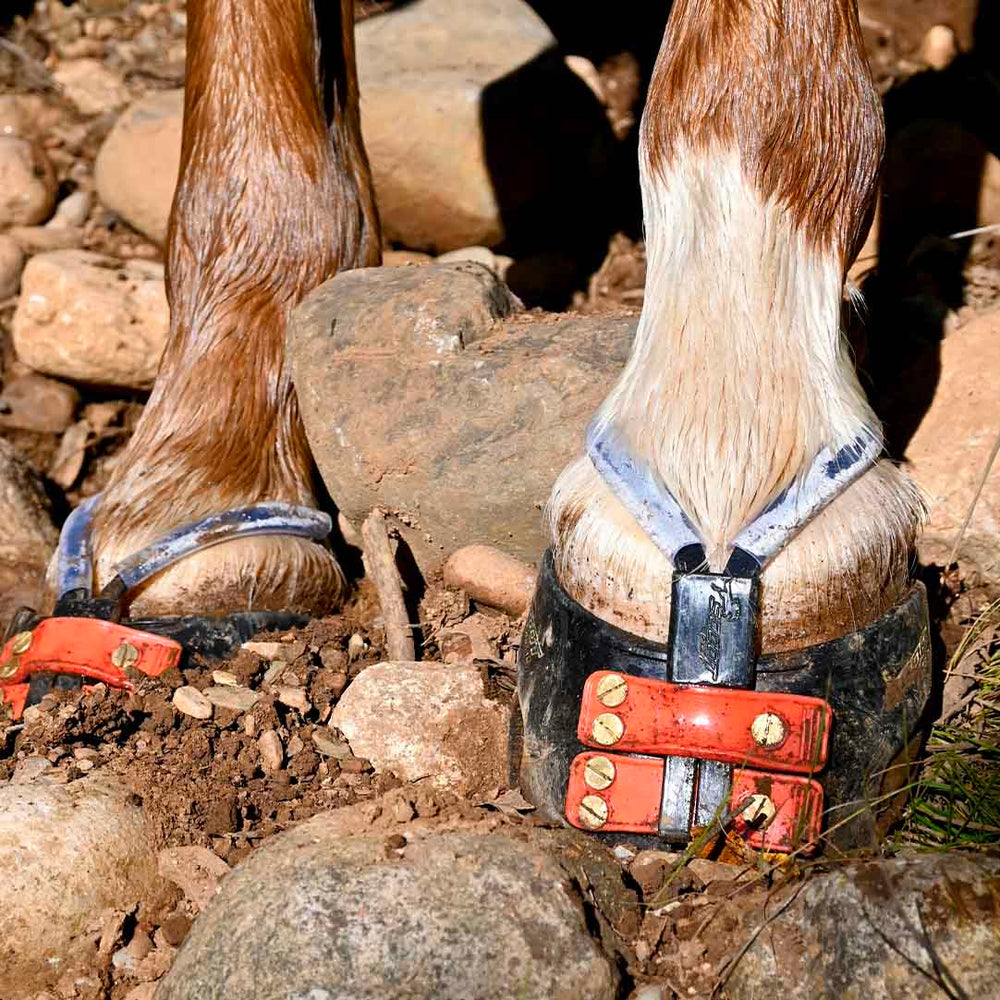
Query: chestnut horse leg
760, 147
274, 197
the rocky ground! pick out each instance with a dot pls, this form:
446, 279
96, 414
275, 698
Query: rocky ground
197, 773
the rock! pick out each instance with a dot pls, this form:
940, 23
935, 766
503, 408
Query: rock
422, 72
950, 448
426, 720
293, 697
28, 537
27, 183
416, 397
30, 769
882, 929
939, 47
272, 753
283, 651
73, 211
68, 461
459, 916
11, 266
91, 86
93, 319
191, 701
36, 403
67, 852
46, 239
136, 168
235, 698
481, 255
401, 258
225, 677
196, 871
329, 747
492, 577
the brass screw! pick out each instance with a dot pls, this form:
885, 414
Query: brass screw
125, 655
8, 669
612, 690
607, 729
593, 812
21, 642
768, 730
760, 807
599, 772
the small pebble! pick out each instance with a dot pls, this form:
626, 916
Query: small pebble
273, 673
175, 929
491, 577
355, 647
330, 747
225, 678
355, 765
333, 657
72, 211
29, 769
236, 698
272, 754
293, 697
295, 746
191, 701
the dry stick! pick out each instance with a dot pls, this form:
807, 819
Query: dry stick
975, 500
380, 565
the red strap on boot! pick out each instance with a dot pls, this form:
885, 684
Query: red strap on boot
784, 732
91, 648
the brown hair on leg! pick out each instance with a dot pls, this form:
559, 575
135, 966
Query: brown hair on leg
274, 196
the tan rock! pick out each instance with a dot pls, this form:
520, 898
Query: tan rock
196, 871
68, 852
426, 720
191, 701
27, 183
72, 211
272, 753
91, 86
492, 577
89, 318
136, 169
46, 239
949, 451
401, 258
939, 47
35, 403
11, 265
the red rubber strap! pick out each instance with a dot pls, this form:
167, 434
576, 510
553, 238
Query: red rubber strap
780, 732
85, 647
630, 802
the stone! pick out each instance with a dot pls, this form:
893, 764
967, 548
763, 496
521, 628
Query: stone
136, 168
196, 871
28, 537
27, 183
36, 403
492, 577
293, 697
459, 916
30, 769
330, 747
94, 319
46, 239
939, 47
404, 258
426, 720
91, 86
948, 452
191, 701
72, 211
417, 397
272, 753
225, 677
11, 265
68, 852
423, 72
881, 929
233, 697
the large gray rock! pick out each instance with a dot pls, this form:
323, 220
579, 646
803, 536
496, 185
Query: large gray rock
67, 854
458, 916
416, 396
904, 929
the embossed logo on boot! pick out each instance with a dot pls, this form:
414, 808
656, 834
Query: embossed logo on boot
722, 607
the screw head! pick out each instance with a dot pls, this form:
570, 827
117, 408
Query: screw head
125, 655
593, 812
607, 729
599, 772
612, 690
21, 642
759, 810
768, 730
